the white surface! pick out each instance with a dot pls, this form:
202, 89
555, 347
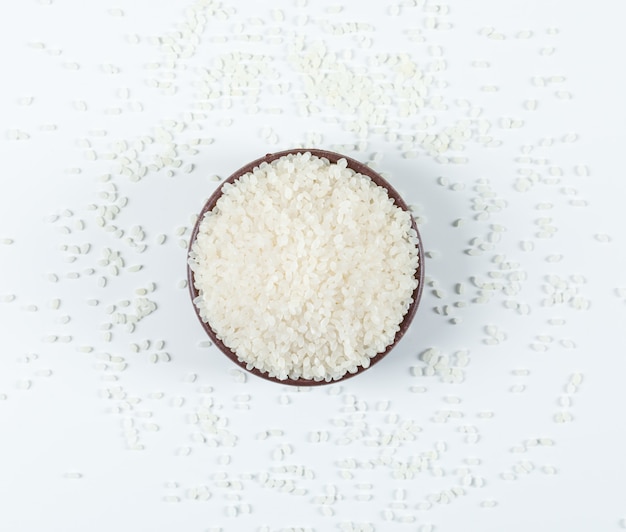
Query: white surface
73, 421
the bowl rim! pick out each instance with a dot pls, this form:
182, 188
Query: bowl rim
358, 167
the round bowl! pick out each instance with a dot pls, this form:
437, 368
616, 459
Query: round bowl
357, 167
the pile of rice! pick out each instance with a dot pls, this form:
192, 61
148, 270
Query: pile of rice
304, 268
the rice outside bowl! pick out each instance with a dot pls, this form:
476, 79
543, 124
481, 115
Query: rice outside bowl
241, 310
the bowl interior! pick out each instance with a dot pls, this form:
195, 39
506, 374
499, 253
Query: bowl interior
357, 167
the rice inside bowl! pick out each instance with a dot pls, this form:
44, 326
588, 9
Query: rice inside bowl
304, 268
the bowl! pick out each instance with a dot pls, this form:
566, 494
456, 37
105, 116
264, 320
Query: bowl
357, 167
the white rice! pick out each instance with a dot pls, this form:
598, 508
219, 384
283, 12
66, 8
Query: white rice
304, 268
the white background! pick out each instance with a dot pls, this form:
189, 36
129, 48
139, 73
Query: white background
95, 436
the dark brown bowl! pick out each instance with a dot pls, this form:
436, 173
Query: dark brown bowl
357, 167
